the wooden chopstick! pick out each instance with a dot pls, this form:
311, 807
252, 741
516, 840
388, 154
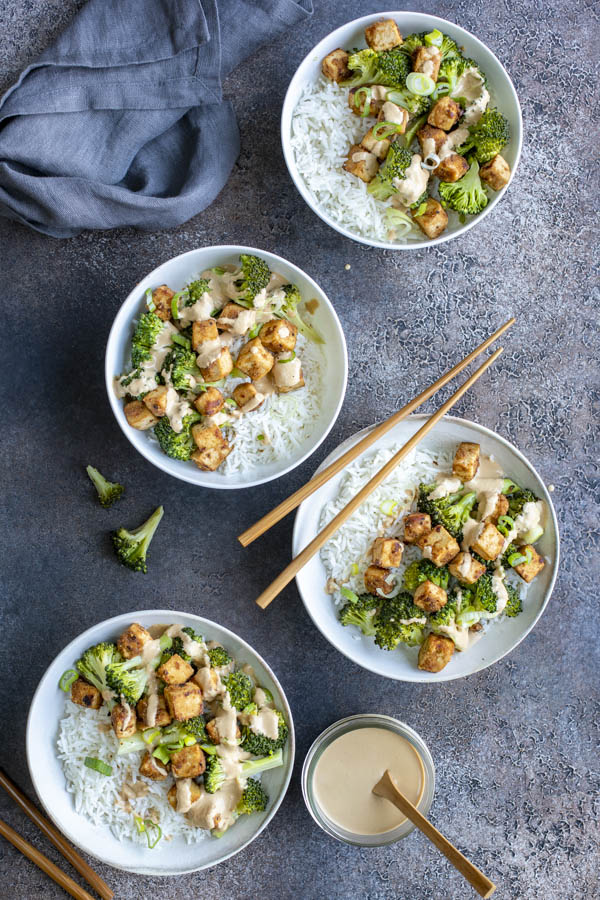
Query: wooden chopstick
57, 875
57, 839
309, 551
295, 499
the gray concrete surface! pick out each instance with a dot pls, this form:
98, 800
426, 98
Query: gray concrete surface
516, 746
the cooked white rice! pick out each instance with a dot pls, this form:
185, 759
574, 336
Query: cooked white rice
87, 732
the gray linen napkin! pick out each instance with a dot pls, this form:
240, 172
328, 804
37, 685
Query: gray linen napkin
122, 121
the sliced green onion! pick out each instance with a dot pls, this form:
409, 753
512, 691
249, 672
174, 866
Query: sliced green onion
354, 569
174, 307
162, 754
253, 332
420, 84
357, 100
152, 827
421, 208
434, 38
139, 824
441, 88
209, 748
165, 642
395, 97
97, 765
149, 300
149, 735
188, 740
181, 340
516, 559
506, 522
388, 507
218, 270
67, 679
533, 535
260, 437
384, 130
173, 746
349, 595
230, 402
509, 487
237, 373
292, 357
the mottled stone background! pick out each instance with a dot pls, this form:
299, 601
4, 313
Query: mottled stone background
516, 746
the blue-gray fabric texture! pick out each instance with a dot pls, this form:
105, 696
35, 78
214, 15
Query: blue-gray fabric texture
122, 121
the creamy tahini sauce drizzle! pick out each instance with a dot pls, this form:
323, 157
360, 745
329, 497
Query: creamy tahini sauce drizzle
201, 310
488, 480
176, 410
410, 188
446, 485
215, 810
287, 374
471, 531
499, 589
208, 352
533, 515
265, 722
184, 794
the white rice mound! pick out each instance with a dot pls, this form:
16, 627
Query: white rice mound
84, 732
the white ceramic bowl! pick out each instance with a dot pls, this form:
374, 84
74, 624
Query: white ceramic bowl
351, 35
176, 273
175, 857
501, 637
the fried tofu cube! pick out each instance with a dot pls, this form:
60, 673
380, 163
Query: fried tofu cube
466, 568
195, 792
466, 461
439, 546
383, 35
210, 402
139, 416
219, 368
84, 694
228, 318
528, 570
335, 65
489, 543
386, 553
213, 732
390, 112
372, 145
175, 670
184, 701
361, 163
452, 168
496, 173
246, 395
124, 721
430, 139
435, 653
432, 220
358, 105
254, 360
188, 762
375, 579
150, 767
162, 713
500, 509
132, 641
212, 446
444, 113
287, 373
156, 401
203, 332
427, 61
430, 597
278, 335
162, 297
416, 526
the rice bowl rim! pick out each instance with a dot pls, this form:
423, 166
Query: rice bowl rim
297, 546
339, 38
49, 682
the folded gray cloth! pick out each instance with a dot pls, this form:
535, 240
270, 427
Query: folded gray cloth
122, 121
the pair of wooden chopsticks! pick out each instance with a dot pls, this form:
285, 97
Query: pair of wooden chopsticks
315, 483
28, 850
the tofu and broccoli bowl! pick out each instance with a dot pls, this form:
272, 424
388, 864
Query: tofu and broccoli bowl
402, 139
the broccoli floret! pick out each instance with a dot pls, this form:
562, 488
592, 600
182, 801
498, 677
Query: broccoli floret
424, 570
445, 616
218, 657
360, 613
195, 290
392, 625
132, 546
180, 364
255, 766
518, 499
451, 511
484, 597
487, 137
288, 309
260, 744
175, 648
255, 276
412, 42
92, 664
453, 67
466, 195
194, 635
108, 491
144, 337
177, 444
388, 67
214, 774
196, 727
409, 135
394, 166
254, 798
514, 605
414, 104
126, 680
240, 688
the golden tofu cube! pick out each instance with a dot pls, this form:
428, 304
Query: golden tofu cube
383, 35
162, 297
150, 767
433, 220
229, 314
452, 168
156, 401
278, 335
416, 526
430, 597
528, 570
139, 416
358, 106
220, 368
124, 721
254, 360
435, 653
430, 139
390, 112
189, 762
162, 713
203, 332
287, 374
466, 568
195, 792
131, 643
466, 461
361, 163
377, 148
375, 579
496, 173
245, 395
386, 553
184, 701
489, 543
444, 113
500, 509
213, 448
84, 694
427, 60
175, 670
210, 402
213, 732
335, 65
439, 546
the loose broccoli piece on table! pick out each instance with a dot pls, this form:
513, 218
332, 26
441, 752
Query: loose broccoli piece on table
254, 798
465, 196
93, 663
514, 605
360, 613
260, 744
180, 365
144, 337
487, 137
214, 774
451, 511
288, 309
394, 625
218, 657
108, 491
132, 546
387, 67
177, 444
424, 570
255, 276
394, 166
126, 679
240, 688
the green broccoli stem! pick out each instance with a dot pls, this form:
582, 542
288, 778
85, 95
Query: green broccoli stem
254, 766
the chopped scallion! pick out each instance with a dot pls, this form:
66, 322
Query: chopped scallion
149, 300
420, 84
354, 569
367, 92
384, 130
289, 359
97, 765
388, 507
149, 735
161, 753
180, 339
349, 595
434, 38
174, 307
67, 679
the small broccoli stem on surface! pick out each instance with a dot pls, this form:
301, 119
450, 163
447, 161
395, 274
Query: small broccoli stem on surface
131, 547
108, 491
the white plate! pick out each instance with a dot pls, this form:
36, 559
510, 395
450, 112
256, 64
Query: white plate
501, 637
352, 35
175, 857
176, 273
